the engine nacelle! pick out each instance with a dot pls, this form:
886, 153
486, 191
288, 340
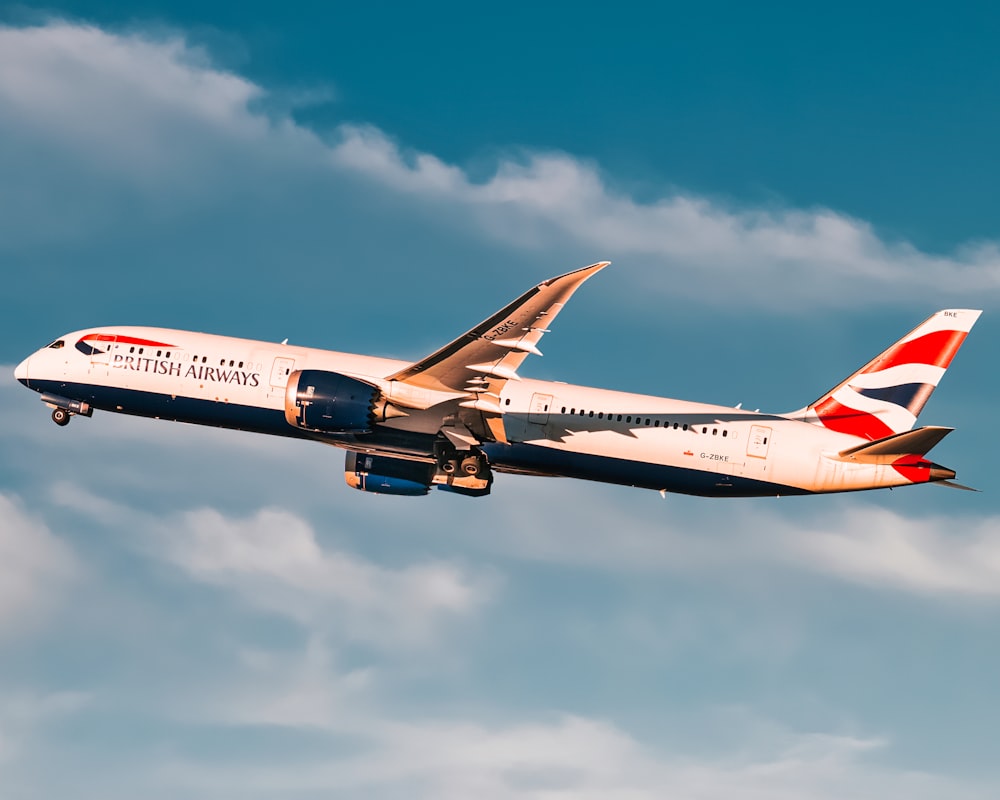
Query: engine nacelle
329, 402
387, 475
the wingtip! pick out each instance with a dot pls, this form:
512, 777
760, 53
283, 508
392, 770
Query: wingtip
593, 269
580, 274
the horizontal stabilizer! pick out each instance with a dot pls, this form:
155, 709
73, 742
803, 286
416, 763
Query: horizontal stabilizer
953, 485
917, 442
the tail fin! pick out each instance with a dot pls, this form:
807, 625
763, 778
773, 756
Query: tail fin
885, 396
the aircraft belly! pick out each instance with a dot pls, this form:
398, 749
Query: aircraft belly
177, 408
540, 459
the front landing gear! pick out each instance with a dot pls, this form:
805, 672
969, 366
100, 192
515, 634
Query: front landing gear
65, 407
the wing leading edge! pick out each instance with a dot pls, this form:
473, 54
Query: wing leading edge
476, 366
494, 349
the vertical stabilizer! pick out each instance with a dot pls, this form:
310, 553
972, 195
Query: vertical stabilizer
887, 394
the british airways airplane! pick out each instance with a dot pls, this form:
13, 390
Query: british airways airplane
454, 418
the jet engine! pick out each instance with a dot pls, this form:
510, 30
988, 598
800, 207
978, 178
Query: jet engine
391, 475
329, 402
387, 475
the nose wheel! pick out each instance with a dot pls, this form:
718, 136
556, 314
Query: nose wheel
60, 416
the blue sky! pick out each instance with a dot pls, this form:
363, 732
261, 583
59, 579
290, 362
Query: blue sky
199, 613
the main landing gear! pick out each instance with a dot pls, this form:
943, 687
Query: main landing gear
471, 465
61, 417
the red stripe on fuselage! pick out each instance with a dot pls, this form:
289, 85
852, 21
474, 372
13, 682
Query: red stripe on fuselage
110, 337
936, 349
838, 417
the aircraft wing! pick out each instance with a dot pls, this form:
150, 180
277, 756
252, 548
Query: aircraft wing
481, 361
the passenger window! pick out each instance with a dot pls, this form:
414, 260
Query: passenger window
656, 424
704, 430
563, 410
131, 349
619, 417
685, 426
158, 352
204, 359
241, 367
591, 413
647, 422
572, 411
231, 362
505, 402
725, 433
628, 419
600, 415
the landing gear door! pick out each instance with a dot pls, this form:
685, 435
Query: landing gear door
539, 410
758, 441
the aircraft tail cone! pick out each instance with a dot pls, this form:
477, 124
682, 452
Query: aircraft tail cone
939, 473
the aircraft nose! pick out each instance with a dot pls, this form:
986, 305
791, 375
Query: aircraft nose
21, 371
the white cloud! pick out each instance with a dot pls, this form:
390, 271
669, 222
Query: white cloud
768, 255
103, 92
273, 558
36, 567
930, 554
305, 690
859, 542
23, 713
579, 757
273, 561
157, 117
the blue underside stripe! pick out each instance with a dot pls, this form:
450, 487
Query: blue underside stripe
516, 457
586, 466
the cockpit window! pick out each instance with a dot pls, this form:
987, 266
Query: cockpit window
57, 344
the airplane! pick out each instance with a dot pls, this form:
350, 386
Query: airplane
451, 420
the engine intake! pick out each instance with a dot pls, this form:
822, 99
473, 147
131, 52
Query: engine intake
329, 402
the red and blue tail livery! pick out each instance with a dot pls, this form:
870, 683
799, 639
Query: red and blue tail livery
453, 420
887, 394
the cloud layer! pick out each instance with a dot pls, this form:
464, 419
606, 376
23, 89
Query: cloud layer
151, 123
250, 626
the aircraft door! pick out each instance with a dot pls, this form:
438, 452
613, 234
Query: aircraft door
280, 371
101, 354
538, 413
758, 441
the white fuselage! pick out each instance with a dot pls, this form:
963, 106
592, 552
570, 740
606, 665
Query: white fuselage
552, 428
